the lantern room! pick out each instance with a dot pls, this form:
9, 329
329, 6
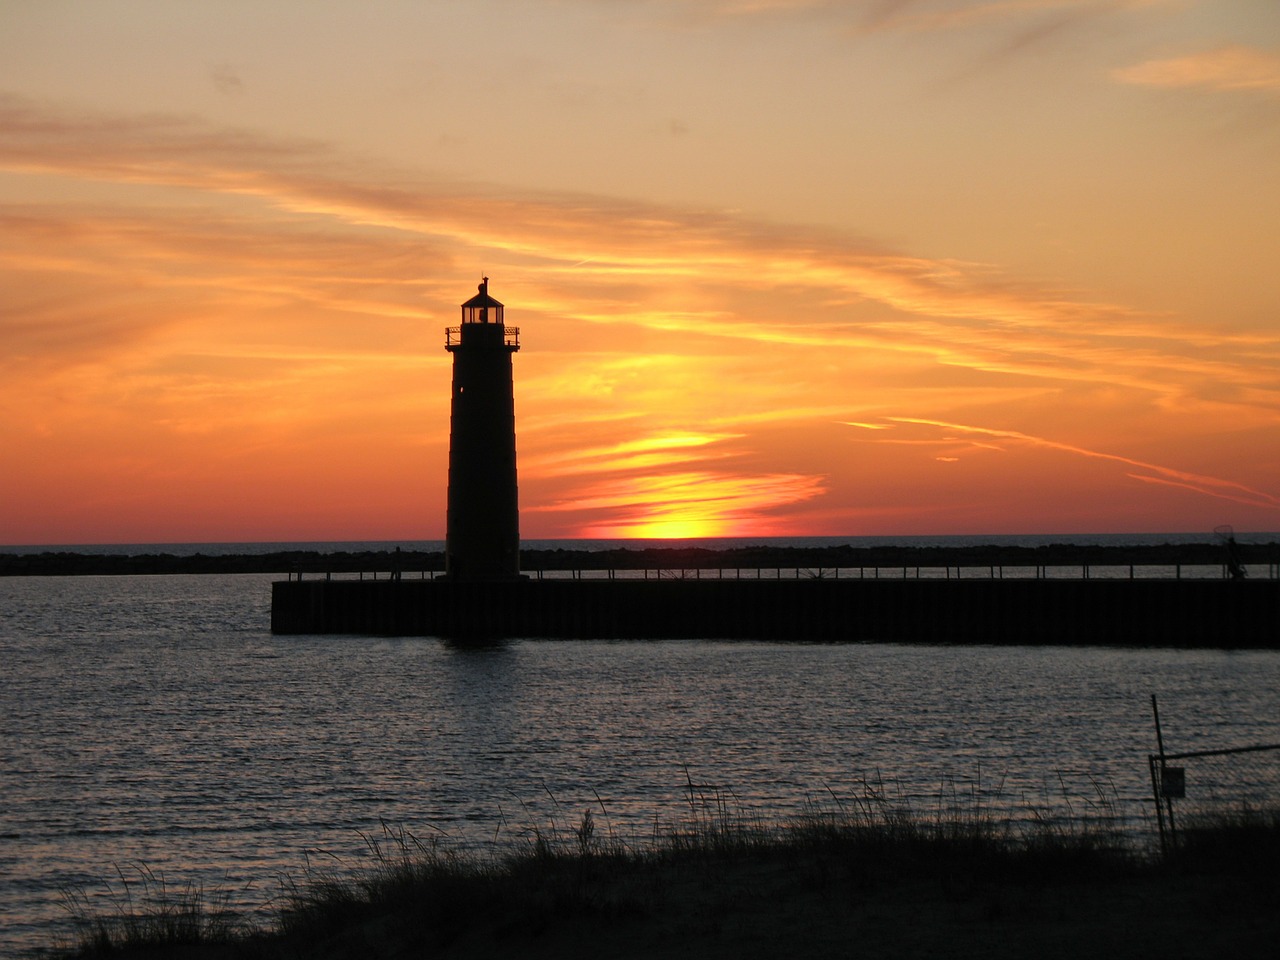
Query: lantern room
482, 324
482, 308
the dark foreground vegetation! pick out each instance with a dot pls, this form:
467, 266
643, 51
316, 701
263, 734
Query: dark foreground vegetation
414, 562
865, 882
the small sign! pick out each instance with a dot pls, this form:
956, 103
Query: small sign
1173, 783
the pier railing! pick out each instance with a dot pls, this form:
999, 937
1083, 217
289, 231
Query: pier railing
1086, 571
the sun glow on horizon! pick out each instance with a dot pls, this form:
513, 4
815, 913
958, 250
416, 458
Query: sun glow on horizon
686, 504
661, 530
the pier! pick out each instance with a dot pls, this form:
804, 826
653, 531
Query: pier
1215, 613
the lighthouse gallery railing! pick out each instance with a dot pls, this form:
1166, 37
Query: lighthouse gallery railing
510, 336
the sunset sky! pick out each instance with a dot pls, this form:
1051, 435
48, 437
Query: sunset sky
781, 267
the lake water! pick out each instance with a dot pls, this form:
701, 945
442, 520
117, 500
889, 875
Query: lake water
155, 722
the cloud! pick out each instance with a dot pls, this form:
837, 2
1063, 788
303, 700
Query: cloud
700, 503
295, 221
661, 449
909, 14
928, 16
1153, 473
599, 240
1232, 68
84, 283
1027, 20
176, 280
226, 80
157, 148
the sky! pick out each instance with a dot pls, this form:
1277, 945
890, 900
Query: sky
780, 267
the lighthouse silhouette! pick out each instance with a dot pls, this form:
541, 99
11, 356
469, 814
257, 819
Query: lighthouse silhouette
482, 535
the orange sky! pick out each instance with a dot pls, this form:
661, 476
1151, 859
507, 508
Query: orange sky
790, 267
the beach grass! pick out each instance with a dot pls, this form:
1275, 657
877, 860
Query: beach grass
847, 877
148, 915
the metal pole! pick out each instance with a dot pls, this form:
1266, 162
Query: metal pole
1173, 830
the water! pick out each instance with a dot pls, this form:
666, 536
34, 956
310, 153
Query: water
155, 721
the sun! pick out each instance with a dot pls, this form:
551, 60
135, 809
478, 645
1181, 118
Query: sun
657, 528
675, 529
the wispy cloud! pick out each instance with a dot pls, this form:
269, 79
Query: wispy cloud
165, 281
226, 80
1233, 68
663, 450
314, 228
615, 243
373, 242
945, 15
910, 15
1154, 473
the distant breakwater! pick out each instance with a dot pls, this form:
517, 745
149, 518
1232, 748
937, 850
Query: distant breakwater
533, 562
1227, 614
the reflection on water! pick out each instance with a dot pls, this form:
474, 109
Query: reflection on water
157, 721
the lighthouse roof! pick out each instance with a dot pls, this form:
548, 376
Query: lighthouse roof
482, 299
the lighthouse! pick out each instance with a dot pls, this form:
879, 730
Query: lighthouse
482, 535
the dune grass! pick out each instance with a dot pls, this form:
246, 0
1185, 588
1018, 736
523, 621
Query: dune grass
719, 869
147, 914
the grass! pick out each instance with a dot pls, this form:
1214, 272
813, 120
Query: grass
723, 883
1245, 841
148, 914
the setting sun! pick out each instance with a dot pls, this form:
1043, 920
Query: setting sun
665, 530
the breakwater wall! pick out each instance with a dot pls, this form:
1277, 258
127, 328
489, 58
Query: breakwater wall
1176, 613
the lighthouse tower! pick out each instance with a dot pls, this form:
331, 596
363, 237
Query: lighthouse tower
482, 536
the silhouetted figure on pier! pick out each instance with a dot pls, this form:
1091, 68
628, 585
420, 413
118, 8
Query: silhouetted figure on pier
1235, 564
